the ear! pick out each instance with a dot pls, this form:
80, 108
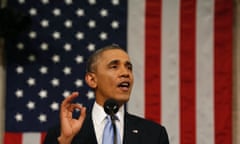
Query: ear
91, 80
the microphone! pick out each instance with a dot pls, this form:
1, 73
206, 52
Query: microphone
111, 107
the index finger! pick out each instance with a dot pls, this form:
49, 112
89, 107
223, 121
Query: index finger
70, 98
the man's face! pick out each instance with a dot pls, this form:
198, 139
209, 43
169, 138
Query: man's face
114, 77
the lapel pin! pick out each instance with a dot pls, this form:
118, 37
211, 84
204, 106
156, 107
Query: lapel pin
135, 131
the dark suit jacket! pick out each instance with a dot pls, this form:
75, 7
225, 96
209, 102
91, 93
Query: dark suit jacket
136, 131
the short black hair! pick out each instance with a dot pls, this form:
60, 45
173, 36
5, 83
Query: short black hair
90, 67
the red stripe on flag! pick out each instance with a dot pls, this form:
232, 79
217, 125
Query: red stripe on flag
223, 71
43, 135
12, 138
187, 72
152, 60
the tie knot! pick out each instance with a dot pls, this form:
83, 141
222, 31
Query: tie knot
108, 119
112, 118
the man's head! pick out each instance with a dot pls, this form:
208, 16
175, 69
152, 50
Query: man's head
109, 73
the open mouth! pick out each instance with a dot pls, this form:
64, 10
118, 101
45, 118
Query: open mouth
124, 85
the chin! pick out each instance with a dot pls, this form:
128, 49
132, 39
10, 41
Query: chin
123, 100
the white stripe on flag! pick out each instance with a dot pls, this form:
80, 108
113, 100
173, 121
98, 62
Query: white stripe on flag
204, 72
136, 46
170, 68
31, 138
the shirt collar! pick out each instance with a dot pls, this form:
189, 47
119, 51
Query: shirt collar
98, 113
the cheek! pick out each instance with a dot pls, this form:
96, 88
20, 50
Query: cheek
106, 80
110, 82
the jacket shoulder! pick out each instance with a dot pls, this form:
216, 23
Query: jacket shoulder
142, 121
151, 131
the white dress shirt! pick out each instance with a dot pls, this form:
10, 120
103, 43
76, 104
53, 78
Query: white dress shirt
99, 115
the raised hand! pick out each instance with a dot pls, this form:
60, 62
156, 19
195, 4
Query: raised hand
70, 126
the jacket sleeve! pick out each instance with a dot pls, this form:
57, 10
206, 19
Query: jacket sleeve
164, 136
52, 135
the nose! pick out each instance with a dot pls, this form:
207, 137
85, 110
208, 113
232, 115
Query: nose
125, 72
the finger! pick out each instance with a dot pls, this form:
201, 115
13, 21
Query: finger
69, 99
78, 107
82, 116
69, 109
75, 107
80, 120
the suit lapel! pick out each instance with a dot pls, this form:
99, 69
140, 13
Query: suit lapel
86, 134
131, 131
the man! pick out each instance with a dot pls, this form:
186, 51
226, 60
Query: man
109, 74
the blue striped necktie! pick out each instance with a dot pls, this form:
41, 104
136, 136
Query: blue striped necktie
108, 133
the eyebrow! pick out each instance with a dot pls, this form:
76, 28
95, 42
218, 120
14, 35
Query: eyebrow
118, 61
129, 63
113, 62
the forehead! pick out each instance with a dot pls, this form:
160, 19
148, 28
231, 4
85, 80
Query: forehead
114, 54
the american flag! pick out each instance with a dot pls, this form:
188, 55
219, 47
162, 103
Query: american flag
181, 52
47, 63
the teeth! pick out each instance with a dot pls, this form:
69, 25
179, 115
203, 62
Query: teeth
124, 84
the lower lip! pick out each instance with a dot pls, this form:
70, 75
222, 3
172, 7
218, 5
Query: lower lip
124, 88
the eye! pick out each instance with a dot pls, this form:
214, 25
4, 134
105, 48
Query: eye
129, 66
113, 66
